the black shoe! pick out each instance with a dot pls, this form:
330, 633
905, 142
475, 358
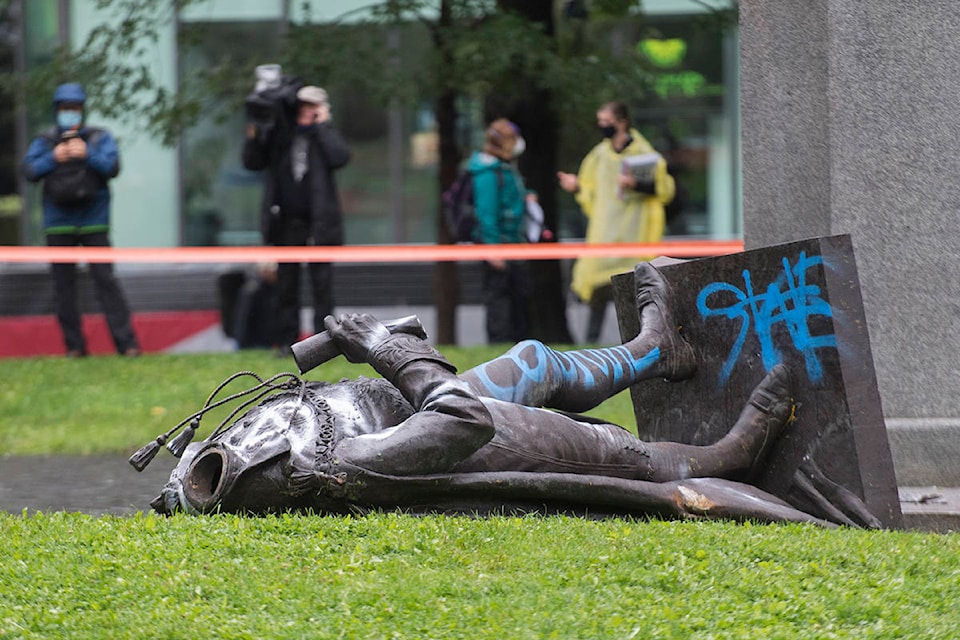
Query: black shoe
677, 358
768, 410
773, 393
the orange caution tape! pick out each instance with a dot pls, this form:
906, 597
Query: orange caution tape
370, 253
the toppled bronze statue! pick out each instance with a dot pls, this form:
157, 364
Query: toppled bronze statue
503, 436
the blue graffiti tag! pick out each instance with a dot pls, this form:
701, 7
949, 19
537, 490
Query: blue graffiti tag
789, 300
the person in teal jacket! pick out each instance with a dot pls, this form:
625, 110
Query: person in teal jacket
500, 200
75, 161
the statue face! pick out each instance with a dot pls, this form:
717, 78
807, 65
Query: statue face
240, 468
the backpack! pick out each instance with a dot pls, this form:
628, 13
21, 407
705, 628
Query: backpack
72, 183
460, 211
459, 208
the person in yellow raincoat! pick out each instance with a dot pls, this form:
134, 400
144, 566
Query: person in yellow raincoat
619, 206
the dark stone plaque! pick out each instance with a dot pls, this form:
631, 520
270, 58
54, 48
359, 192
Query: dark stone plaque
797, 304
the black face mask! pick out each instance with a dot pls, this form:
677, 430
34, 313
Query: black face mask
608, 131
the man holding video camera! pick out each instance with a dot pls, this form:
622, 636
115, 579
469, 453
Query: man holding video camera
290, 136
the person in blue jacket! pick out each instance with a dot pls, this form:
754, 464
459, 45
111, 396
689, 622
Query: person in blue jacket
75, 162
500, 201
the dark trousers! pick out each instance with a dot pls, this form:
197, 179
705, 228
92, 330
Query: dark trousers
254, 315
507, 298
599, 301
109, 294
296, 233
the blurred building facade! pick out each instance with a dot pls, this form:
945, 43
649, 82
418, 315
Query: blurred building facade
197, 193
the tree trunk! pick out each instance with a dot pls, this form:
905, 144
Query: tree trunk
548, 309
533, 112
446, 284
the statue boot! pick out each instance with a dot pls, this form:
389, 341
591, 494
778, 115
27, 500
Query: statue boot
677, 360
768, 410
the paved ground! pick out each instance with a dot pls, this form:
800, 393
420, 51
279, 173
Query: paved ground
95, 485
470, 325
108, 485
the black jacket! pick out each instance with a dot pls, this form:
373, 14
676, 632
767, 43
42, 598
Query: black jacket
327, 152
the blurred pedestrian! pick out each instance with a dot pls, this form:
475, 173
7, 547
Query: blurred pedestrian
620, 204
500, 199
75, 161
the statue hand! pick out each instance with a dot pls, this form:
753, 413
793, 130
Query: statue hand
831, 500
356, 334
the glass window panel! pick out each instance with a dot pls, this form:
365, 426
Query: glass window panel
221, 199
388, 190
41, 38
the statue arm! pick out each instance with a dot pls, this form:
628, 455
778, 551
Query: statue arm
451, 425
451, 422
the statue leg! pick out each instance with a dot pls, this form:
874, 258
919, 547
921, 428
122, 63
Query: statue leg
546, 441
535, 375
768, 410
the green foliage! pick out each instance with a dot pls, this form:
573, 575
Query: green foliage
106, 404
10, 205
614, 8
468, 47
115, 63
476, 49
389, 575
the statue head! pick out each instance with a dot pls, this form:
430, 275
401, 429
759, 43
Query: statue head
279, 455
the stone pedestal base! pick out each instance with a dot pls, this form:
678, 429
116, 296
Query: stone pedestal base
797, 304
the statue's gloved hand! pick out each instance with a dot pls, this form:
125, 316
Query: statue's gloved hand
823, 497
356, 334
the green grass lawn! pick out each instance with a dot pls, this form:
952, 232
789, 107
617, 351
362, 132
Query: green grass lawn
394, 576
66, 575
108, 404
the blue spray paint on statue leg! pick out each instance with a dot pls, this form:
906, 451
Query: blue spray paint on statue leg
535, 375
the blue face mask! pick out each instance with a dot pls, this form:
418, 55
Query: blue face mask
69, 119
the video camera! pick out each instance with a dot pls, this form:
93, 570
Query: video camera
274, 98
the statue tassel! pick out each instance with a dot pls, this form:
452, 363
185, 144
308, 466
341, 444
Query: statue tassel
142, 458
179, 444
